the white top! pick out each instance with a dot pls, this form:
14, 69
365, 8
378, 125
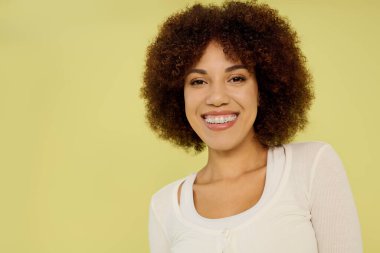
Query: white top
306, 207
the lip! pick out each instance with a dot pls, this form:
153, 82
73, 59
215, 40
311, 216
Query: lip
219, 126
219, 113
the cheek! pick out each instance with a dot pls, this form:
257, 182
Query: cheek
192, 98
189, 104
247, 98
252, 96
186, 101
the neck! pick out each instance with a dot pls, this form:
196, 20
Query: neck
231, 164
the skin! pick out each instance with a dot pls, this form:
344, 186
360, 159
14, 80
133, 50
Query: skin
233, 178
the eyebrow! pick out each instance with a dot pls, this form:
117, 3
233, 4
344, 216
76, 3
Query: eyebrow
240, 66
229, 69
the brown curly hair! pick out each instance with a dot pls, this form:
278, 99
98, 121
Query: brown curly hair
251, 32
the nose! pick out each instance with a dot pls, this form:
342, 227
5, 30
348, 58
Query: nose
217, 95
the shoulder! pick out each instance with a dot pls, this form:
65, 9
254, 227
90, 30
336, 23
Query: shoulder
310, 151
165, 197
311, 161
307, 146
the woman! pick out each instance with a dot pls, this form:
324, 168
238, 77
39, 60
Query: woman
233, 79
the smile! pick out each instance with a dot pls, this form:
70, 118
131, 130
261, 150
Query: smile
219, 119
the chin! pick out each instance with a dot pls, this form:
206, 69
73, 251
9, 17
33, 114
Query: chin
222, 145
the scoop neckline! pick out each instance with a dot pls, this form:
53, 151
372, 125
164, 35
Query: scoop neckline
232, 220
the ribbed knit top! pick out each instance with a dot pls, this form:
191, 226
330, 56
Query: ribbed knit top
306, 207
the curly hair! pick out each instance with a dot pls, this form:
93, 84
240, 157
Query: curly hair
251, 32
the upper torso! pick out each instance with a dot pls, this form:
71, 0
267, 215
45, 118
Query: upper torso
280, 221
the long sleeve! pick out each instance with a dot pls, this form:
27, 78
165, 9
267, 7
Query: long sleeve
158, 241
334, 215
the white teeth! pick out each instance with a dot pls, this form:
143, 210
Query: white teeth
220, 119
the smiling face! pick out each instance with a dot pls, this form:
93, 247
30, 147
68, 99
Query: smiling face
221, 99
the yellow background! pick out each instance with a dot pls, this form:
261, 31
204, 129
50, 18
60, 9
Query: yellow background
78, 164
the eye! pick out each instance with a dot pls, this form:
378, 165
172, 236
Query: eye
237, 79
197, 82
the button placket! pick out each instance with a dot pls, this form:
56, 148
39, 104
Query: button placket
227, 234
226, 238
